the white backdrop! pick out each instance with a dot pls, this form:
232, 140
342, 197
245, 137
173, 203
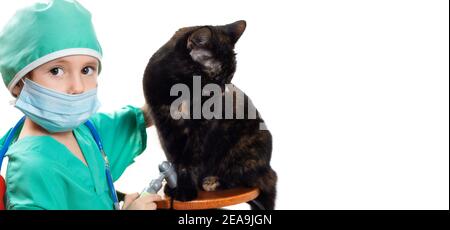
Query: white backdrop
355, 93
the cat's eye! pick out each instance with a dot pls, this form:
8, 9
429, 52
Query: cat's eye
57, 71
88, 70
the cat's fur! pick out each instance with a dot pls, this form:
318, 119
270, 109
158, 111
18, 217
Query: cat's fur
207, 154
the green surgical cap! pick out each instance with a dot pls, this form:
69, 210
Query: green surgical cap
44, 32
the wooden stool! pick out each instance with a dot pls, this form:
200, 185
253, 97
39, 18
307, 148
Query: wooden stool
212, 200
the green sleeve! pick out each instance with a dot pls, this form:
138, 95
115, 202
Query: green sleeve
32, 187
124, 136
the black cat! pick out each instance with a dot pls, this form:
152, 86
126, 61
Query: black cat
208, 153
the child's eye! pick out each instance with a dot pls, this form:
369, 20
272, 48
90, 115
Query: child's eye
88, 70
57, 71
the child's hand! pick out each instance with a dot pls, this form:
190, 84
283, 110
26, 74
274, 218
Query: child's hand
146, 111
135, 202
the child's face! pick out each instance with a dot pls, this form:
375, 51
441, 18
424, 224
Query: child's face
72, 74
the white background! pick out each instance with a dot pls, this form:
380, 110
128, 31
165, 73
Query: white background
355, 93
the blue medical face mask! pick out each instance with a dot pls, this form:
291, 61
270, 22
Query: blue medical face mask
55, 111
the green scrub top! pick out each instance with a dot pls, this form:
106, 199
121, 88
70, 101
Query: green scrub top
43, 174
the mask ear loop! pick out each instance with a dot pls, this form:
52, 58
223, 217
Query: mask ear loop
13, 101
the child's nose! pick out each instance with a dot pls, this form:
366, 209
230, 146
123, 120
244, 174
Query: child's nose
76, 85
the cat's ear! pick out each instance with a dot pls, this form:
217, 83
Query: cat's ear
199, 39
235, 30
199, 46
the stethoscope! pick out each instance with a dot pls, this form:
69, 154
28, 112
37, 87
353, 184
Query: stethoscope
98, 141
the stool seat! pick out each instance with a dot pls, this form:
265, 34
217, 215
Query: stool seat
212, 200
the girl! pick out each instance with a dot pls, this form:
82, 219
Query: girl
50, 60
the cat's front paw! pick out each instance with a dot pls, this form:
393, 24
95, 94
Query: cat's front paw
186, 193
181, 193
210, 183
169, 191
186, 189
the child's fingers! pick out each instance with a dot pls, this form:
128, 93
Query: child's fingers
148, 201
129, 198
157, 197
150, 198
138, 202
151, 206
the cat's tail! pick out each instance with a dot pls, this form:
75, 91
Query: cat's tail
267, 185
